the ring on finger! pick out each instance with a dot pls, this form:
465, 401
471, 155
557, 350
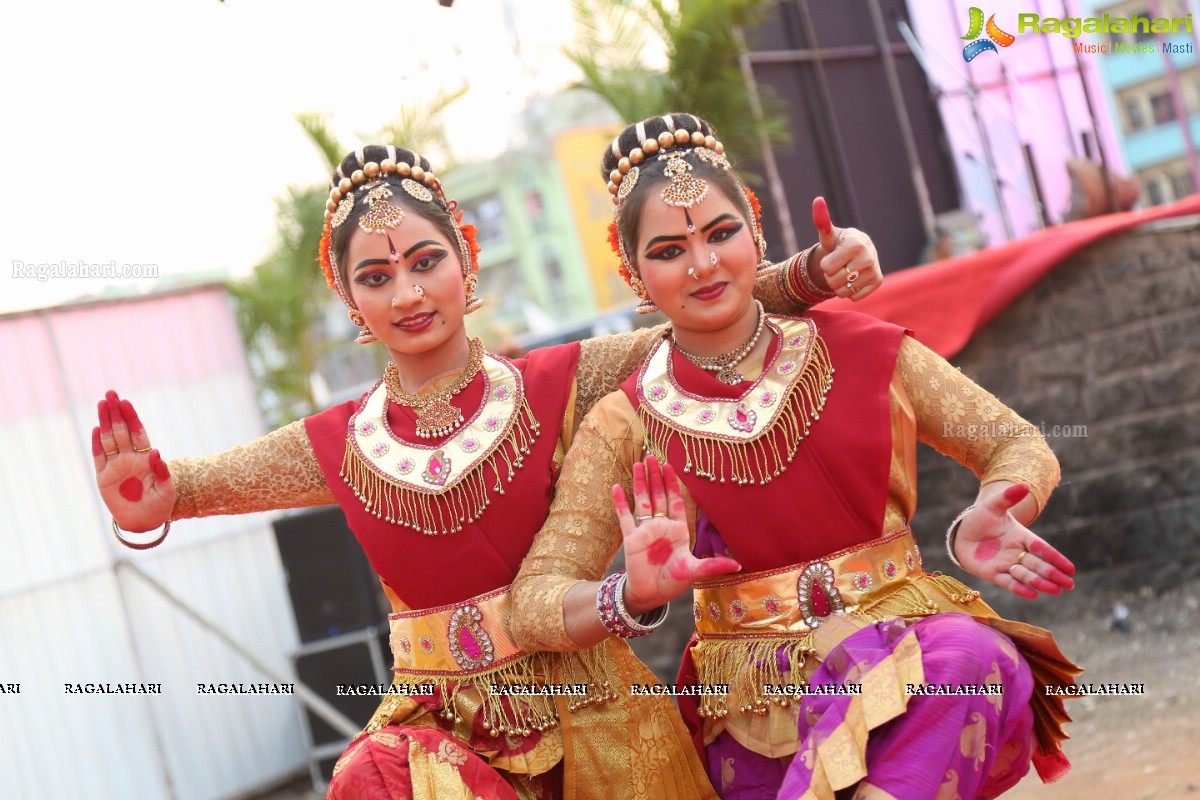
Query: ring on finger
660, 513
643, 517
142, 449
113, 453
851, 277
1021, 558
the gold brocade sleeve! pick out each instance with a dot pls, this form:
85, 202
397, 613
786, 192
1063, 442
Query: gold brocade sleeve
275, 471
966, 422
581, 535
605, 361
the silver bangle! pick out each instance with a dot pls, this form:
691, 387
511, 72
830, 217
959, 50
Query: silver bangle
140, 541
646, 622
952, 534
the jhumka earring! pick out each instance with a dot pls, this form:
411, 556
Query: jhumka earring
474, 303
365, 336
646, 306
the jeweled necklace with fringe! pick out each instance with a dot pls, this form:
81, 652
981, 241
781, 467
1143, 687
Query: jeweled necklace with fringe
436, 415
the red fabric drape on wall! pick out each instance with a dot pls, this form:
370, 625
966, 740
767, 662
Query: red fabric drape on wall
946, 302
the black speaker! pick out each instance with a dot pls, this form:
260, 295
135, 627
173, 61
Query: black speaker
331, 583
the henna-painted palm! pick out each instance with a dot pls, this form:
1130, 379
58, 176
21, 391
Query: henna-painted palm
658, 556
990, 540
134, 481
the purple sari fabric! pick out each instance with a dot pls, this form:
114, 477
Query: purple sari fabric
943, 747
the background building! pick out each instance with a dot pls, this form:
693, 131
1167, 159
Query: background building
1148, 95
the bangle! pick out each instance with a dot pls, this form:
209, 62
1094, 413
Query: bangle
140, 541
610, 605
806, 290
952, 535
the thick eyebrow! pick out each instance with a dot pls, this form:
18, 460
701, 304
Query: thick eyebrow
658, 239
370, 262
705, 229
418, 246
721, 218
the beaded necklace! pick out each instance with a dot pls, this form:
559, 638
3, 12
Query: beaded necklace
436, 415
725, 364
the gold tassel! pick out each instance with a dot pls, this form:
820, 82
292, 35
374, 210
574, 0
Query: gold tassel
758, 461
448, 510
907, 601
953, 588
521, 714
745, 666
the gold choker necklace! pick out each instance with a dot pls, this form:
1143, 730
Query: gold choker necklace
725, 364
436, 415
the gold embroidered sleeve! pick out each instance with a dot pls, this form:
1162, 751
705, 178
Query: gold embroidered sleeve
581, 535
769, 290
605, 361
275, 471
966, 422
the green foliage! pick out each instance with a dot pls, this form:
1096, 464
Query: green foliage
279, 305
702, 75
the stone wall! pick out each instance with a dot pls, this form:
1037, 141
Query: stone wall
1107, 348
1105, 353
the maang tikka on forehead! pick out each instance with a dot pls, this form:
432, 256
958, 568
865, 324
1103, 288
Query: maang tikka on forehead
380, 214
685, 189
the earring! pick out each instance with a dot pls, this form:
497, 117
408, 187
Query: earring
473, 303
646, 306
365, 336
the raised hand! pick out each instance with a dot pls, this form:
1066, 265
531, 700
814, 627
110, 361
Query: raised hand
658, 557
850, 267
132, 477
993, 545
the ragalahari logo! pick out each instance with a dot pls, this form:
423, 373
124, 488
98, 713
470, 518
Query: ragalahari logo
995, 35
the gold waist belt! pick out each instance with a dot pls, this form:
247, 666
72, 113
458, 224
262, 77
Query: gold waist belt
455, 640
465, 649
756, 628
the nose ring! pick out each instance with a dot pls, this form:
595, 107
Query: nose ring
419, 290
714, 258
692, 273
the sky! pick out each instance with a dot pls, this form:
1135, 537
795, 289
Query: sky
161, 133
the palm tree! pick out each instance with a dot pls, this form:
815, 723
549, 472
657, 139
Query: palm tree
702, 43
282, 306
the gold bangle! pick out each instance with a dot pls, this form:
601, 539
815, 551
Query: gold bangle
140, 544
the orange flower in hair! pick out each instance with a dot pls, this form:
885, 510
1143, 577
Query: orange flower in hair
756, 207
614, 241
469, 234
323, 256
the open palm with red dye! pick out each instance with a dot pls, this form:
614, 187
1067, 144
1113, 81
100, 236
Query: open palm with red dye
658, 558
132, 477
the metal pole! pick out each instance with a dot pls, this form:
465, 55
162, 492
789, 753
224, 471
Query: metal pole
835, 137
1181, 114
1062, 101
313, 701
774, 180
906, 134
1087, 98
